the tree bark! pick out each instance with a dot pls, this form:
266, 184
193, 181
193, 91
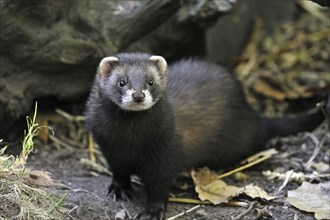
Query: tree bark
51, 48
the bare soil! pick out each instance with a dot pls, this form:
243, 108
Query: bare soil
87, 190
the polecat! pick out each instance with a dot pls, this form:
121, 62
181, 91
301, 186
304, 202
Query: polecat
156, 121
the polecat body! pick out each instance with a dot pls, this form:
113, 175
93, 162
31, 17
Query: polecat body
156, 121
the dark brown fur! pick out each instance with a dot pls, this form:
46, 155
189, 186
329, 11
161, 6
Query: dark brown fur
202, 119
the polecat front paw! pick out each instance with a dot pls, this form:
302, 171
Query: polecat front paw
155, 212
119, 191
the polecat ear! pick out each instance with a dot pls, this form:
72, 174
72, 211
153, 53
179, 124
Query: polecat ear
161, 64
106, 64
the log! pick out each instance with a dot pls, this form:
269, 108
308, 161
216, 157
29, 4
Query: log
51, 48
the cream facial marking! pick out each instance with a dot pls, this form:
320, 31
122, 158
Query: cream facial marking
148, 100
128, 103
127, 98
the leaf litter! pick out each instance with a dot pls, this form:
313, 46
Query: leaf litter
312, 198
306, 75
288, 64
217, 191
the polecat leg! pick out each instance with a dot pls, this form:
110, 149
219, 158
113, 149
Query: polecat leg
120, 187
157, 186
155, 208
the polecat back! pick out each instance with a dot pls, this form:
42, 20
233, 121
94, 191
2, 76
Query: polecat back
217, 126
153, 120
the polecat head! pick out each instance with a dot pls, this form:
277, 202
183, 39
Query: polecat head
133, 81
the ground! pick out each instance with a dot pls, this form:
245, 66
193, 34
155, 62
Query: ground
278, 71
87, 190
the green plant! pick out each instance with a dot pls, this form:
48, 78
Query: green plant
19, 198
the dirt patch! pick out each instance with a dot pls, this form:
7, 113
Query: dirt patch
87, 190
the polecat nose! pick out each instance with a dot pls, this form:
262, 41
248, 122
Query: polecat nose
138, 96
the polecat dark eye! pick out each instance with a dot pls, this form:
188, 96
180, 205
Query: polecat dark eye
122, 83
151, 82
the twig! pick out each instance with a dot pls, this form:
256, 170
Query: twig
249, 65
82, 190
316, 150
71, 210
61, 143
91, 148
246, 211
196, 201
296, 177
126, 210
106, 213
286, 180
313, 138
92, 165
77, 118
188, 201
184, 212
80, 134
71, 142
322, 105
250, 164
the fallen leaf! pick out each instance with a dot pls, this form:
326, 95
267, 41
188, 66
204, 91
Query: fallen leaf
256, 192
203, 176
264, 88
217, 192
321, 167
312, 198
288, 60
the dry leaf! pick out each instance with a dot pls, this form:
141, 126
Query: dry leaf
288, 60
257, 192
203, 176
250, 54
321, 167
262, 87
217, 192
312, 198
211, 189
